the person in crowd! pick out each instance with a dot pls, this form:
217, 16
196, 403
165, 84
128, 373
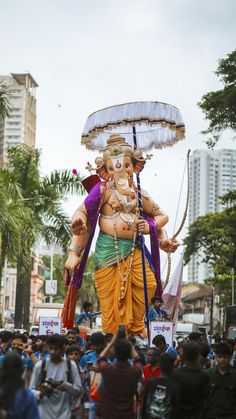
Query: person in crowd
86, 317
40, 346
5, 342
195, 337
180, 351
16, 402
161, 397
193, 383
232, 344
141, 355
79, 340
120, 380
204, 359
88, 360
160, 342
56, 381
73, 353
111, 353
155, 313
19, 345
152, 368
221, 401
71, 337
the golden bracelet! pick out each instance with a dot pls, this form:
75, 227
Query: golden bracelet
76, 248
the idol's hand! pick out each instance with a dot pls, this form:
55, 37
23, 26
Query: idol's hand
78, 227
142, 226
169, 245
72, 261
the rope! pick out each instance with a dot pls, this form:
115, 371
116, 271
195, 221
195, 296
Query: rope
184, 216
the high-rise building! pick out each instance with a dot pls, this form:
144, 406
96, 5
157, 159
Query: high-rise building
20, 126
212, 174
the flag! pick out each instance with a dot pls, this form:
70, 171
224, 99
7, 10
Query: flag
172, 292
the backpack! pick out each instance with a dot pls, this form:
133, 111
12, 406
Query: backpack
43, 372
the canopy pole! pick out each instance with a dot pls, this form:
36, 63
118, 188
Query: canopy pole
142, 242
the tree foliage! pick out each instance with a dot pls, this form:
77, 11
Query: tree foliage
5, 100
213, 238
219, 107
41, 199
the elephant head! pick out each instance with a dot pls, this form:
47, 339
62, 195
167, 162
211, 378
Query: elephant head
119, 162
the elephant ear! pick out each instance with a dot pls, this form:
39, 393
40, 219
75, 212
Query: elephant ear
102, 172
138, 165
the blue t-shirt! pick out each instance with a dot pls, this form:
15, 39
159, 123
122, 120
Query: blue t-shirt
24, 406
172, 351
28, 363
156, 314
44, 355
91, 357
85, 319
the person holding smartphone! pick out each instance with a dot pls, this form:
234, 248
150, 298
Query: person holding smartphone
55, 381
120, 379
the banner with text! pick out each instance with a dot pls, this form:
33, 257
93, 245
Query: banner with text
162, 328
49, 325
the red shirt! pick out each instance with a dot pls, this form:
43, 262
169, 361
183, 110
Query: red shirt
149, 373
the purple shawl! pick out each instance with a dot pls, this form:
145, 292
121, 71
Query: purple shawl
93, 205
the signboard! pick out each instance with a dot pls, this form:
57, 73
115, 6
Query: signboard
162, 328
49, 325
51, 287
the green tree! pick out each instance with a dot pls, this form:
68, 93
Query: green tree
44, 197
5, 100
219, 107
213, 238
14, 217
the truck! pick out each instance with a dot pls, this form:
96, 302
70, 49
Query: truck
230, 322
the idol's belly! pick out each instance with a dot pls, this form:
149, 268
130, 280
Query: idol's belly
121, 226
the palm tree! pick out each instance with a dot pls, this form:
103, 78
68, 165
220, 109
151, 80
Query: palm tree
13, 217
5, 99
43, 196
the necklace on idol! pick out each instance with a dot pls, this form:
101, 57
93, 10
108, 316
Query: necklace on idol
125, 277
128, 205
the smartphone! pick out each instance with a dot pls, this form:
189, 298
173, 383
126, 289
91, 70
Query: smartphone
122, 328
89, 364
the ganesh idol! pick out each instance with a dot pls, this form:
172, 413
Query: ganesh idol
117, 259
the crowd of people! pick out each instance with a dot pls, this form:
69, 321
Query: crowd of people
111, 377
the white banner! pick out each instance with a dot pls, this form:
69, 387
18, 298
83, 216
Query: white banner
50, 325
51, 287
162, 328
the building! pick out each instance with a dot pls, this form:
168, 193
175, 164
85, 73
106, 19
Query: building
199, 305
20, 126
212, 174
36, 291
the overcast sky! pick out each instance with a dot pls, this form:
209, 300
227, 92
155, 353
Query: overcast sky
86, 55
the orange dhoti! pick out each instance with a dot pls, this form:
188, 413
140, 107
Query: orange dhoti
130, 309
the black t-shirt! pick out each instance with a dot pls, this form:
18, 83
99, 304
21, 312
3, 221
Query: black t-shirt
194, 388
161, 399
